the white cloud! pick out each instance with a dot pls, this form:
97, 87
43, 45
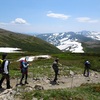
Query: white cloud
18, 25
56, 15
19, 21
16, 21
86, 19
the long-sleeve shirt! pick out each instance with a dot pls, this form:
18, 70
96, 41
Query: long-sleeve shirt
55, 65
25, 64
6, 69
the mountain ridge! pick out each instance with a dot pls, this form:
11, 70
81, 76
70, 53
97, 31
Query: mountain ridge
72, 41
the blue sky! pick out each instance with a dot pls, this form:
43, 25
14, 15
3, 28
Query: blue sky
46, 16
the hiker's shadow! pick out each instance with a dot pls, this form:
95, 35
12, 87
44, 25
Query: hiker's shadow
2, 90
20, 84
53, 83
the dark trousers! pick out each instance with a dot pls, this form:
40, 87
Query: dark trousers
24, 75
56, 73
86, 71
7, 77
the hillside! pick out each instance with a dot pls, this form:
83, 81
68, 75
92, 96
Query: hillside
25, 42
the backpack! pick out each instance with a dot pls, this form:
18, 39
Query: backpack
55, 66
2, 62
87, 64
22, 69
21, 65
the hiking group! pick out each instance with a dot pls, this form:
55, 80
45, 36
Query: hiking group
24, 64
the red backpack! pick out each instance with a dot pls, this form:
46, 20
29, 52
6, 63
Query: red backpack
21, 65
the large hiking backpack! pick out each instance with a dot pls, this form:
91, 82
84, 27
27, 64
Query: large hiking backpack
22, 68
21, 65
55, 66
87, 64
2, 62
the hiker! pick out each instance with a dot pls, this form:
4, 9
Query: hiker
86, 68
5, 71
24, 70
56, 69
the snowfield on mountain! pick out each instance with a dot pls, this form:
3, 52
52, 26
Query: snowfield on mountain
72, 41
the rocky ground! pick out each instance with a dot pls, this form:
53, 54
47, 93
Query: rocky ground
46, 83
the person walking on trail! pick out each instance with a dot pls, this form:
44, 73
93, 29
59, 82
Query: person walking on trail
56, 69
24, 70
5, 71
86, 68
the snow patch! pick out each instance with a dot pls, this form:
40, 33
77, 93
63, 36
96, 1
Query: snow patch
32, 58
10, 50
73, 46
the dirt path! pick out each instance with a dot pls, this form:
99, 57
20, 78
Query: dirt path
46, 83
63, 81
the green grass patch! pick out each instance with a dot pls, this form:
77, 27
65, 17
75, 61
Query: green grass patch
86, 92
43, 67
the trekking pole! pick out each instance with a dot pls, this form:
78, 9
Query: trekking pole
72, 82
72, 75
32, 73
17, 75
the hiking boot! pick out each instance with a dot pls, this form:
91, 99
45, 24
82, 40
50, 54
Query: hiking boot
21, 84
9, 87
26, 83
0, 87
54, 82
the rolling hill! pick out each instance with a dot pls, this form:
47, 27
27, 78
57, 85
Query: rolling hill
25, 42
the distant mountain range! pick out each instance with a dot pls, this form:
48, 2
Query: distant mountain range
80, 42
26, 43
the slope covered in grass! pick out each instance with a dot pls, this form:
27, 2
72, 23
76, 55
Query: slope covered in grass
25, 42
